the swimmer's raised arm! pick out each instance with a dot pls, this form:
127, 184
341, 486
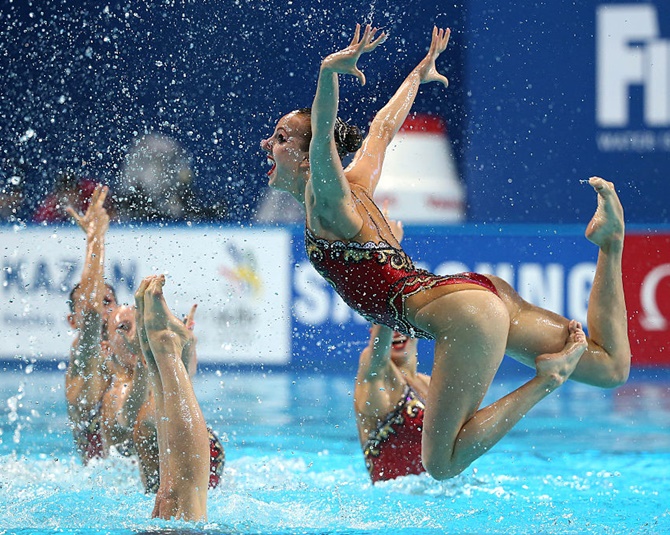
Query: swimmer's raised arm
89, 300
328, 182
366, 167
375, 358
94, 223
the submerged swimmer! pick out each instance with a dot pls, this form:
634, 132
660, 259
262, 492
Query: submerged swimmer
389, 402
474, 319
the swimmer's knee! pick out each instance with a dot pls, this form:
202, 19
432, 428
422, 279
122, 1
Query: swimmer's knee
618, 375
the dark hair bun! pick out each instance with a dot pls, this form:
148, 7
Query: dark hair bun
348, 138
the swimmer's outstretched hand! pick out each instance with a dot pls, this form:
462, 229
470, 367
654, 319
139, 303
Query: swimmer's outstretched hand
426, 69
344, 61
96, 219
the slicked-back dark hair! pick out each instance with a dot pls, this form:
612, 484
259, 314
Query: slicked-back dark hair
348, 138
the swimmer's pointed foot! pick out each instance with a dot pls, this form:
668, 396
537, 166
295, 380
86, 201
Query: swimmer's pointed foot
606, 228
557, 367
155, 316
166, 333
141, 328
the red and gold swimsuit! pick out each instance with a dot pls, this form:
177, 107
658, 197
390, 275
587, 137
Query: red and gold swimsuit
394, 448
217, 460
88, 435
375, 278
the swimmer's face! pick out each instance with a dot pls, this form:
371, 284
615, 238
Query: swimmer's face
122, 334
108, 302
288, 151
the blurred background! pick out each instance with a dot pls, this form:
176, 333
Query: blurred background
167, 101
542, 94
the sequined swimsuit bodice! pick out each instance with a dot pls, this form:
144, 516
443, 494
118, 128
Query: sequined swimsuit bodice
373, 274
394, 448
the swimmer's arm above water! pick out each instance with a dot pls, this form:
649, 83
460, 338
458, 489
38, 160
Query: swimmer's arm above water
88, 380
375, 358
328, 180
367, 164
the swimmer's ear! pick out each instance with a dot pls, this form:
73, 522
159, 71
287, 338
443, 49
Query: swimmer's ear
71, 322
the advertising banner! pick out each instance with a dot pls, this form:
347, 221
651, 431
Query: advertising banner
549, 267
647, 286
237, 278
260, 302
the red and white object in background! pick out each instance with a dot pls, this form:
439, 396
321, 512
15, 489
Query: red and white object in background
646, 275
419, 182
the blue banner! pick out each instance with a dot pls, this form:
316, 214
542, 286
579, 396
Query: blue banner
552, 268
559, 92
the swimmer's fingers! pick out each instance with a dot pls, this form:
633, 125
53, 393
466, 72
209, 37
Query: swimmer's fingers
101, 197
439, 41
96, 218
344, 61
189, 319
75, 216
427, 69
357, 36
369, 42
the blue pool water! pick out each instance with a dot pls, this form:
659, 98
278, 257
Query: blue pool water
583, 461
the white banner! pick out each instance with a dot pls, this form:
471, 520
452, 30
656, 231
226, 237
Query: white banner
240, 280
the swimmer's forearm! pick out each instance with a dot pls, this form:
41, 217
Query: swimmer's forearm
391, 117
324, 106
92, 285
136, 397
379, 347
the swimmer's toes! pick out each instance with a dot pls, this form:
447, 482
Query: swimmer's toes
559, 366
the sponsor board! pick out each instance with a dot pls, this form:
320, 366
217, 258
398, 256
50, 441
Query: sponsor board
646, 271
261, 302
235, 276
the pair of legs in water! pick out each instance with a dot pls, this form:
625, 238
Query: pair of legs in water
183, 439
473, 329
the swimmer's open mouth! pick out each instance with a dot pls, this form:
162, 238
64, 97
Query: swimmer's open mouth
274, 165
399, 342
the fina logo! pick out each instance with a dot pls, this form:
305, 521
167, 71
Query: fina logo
632, 53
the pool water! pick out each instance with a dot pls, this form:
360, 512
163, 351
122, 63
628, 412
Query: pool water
583, 461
